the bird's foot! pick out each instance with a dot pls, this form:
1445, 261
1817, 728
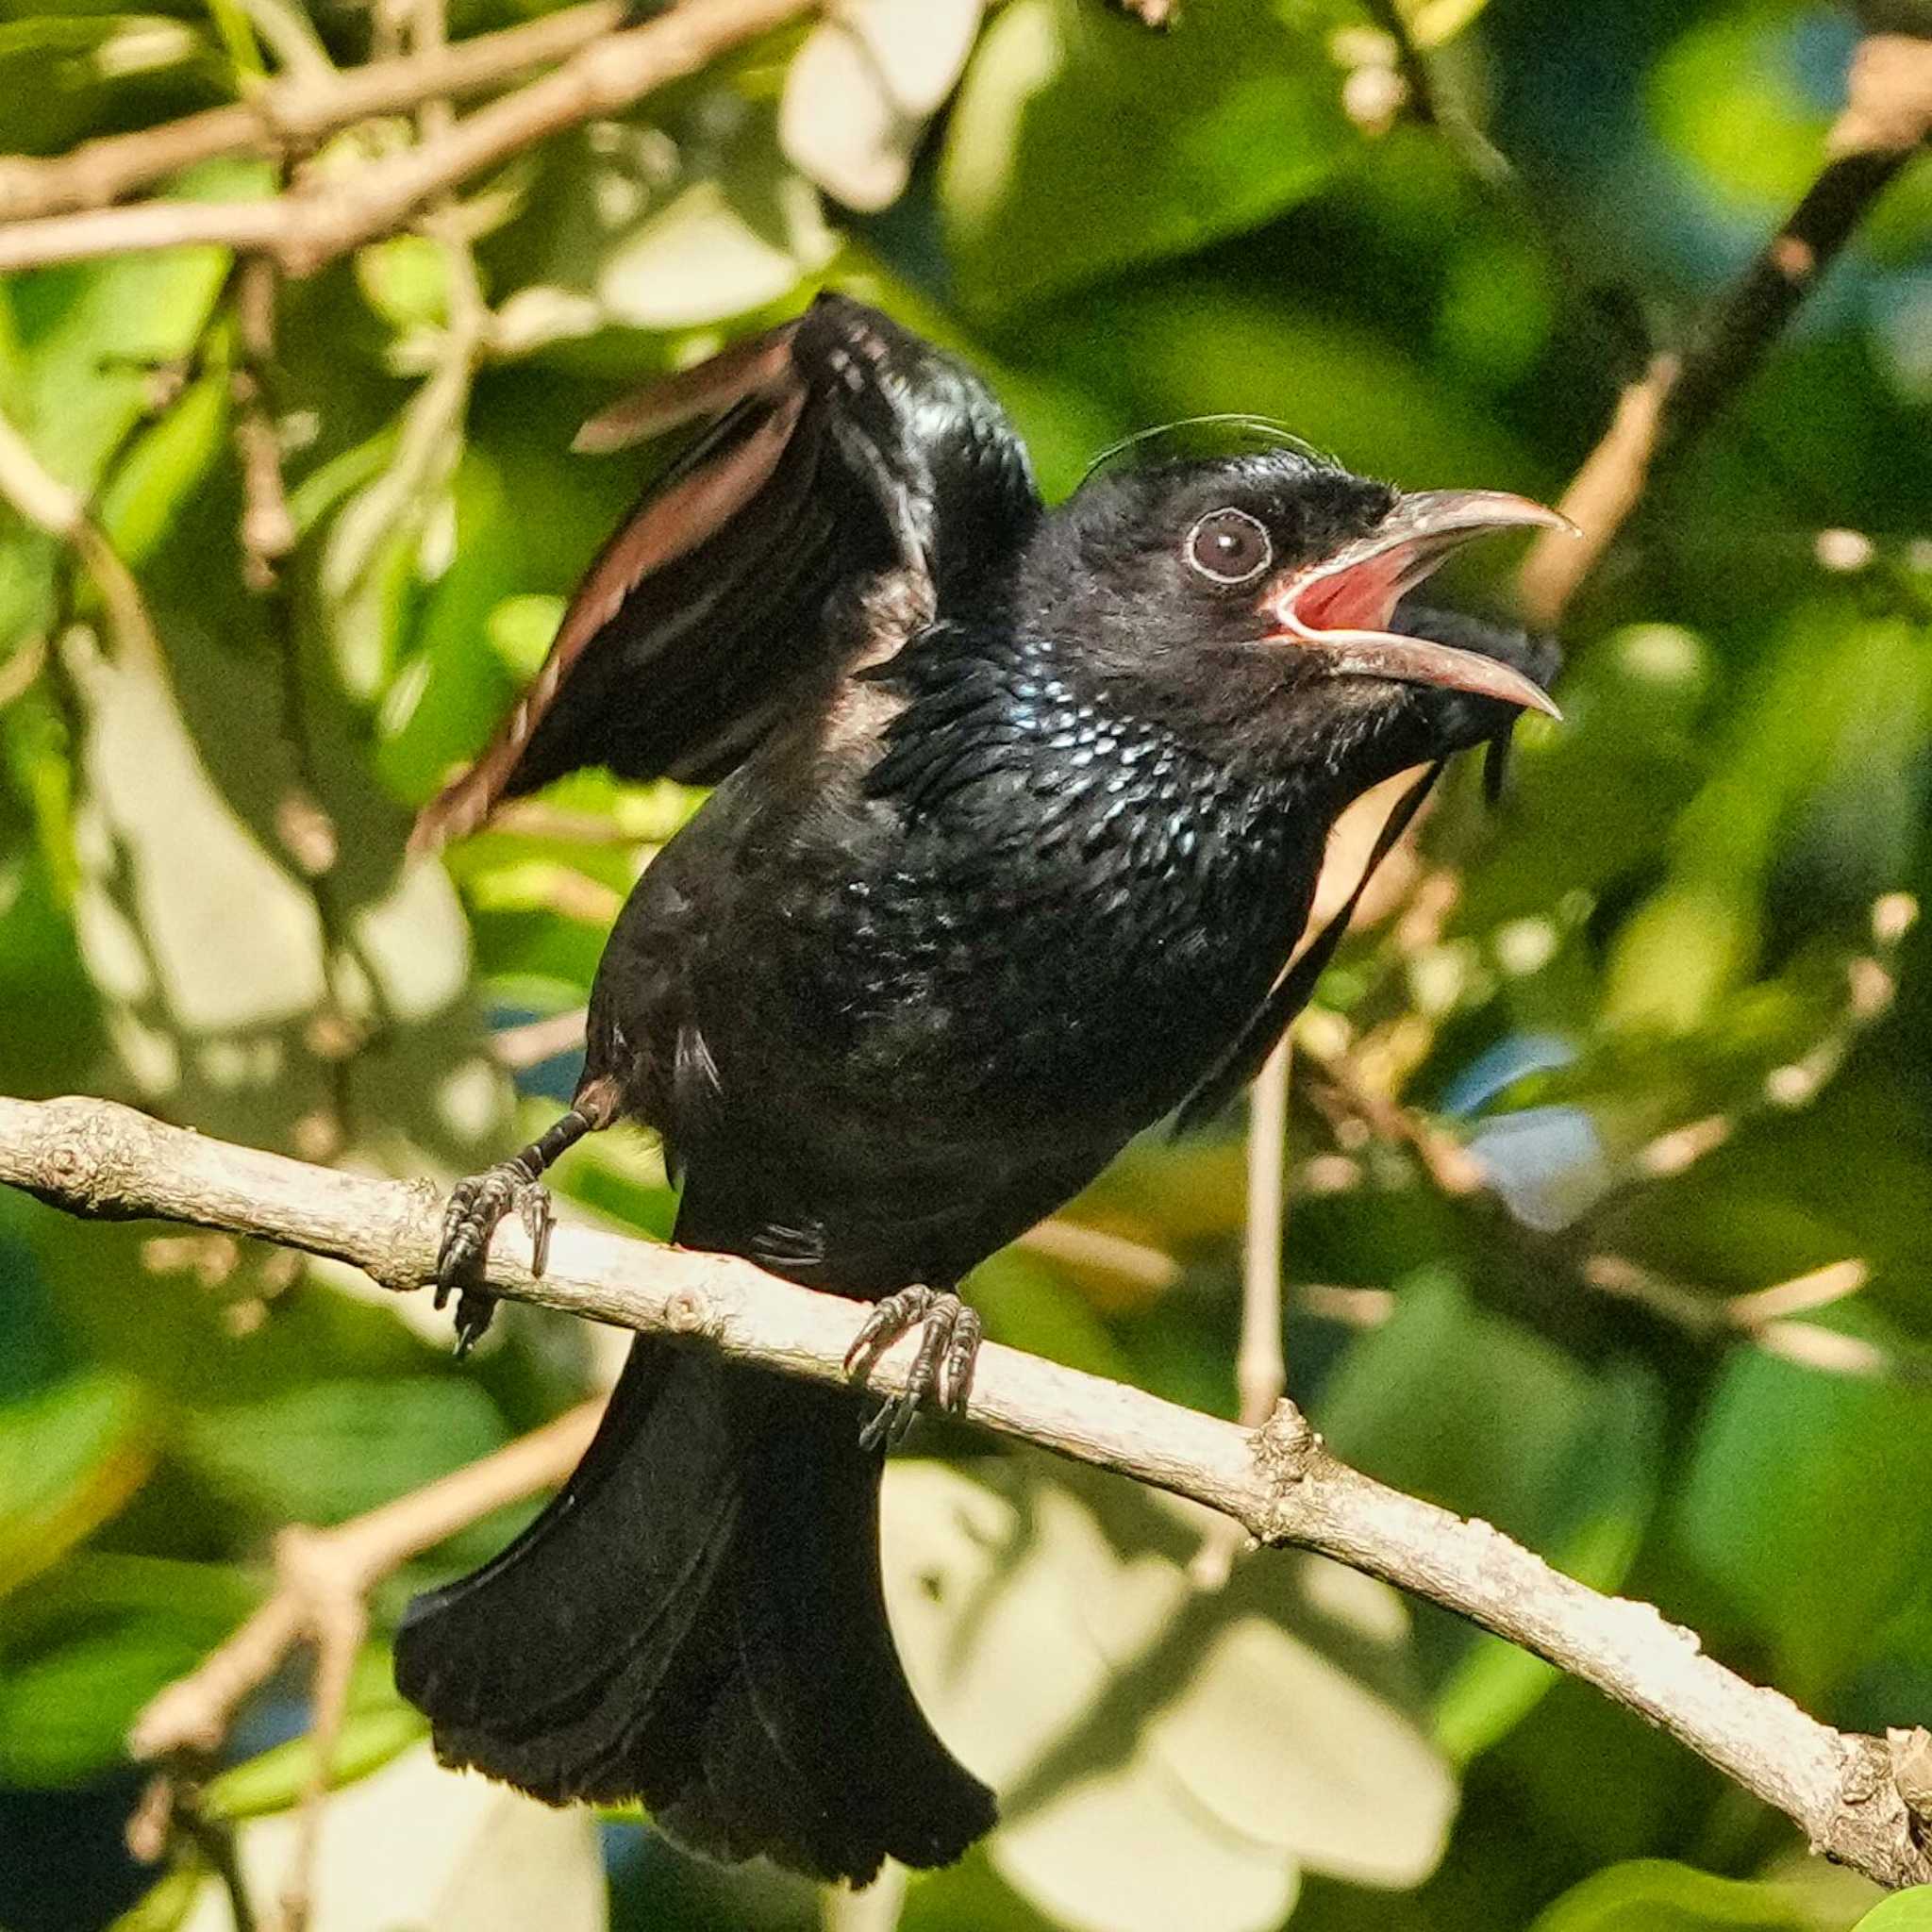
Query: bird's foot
476, 1204
942, 1371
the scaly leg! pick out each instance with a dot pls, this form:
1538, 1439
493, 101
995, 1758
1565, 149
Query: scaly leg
479, 1202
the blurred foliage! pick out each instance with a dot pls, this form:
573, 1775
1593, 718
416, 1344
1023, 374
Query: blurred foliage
1672, 996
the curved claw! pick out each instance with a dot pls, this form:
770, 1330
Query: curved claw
942, 1371
476, 1204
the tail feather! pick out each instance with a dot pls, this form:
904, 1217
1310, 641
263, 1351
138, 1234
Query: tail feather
698, 1621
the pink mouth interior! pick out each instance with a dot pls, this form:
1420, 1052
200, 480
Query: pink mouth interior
1364, 596
1359, 598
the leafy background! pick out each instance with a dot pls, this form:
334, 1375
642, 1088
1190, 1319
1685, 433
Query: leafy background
1692, 912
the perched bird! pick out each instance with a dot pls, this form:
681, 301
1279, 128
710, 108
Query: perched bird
1018, 817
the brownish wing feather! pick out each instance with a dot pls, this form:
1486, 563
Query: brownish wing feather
846, 452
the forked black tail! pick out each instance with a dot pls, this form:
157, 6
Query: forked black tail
697, 1621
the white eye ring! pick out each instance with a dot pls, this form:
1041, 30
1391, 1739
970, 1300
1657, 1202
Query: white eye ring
1228, 546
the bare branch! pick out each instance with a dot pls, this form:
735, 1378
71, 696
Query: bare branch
290, 111
96, 1158
320, 220
1887, 118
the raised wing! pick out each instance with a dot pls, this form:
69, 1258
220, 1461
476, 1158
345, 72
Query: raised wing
850, 462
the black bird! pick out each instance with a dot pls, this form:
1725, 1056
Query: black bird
1018, 819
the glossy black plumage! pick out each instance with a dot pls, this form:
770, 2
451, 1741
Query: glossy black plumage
1019, 821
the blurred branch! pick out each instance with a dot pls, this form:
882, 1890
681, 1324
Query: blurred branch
268, 529
1260, 1370
49, 505
1260, 1373
1844, 1790
323, 1576
1763, 1317
1093, 1248
1887, 118
315, 222
534, 1042
1342, 1090
323, 1580
1433, 108
290, 111
305, 831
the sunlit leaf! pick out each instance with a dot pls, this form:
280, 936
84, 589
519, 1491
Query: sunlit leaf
1164, 1759
1650, 1895
419, 1846
71, 1455
163, 1909
858, 92
1905, 1912
94, 336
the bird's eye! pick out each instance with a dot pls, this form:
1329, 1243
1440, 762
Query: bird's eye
1228, 546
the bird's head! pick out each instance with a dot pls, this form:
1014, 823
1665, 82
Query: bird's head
1257, 595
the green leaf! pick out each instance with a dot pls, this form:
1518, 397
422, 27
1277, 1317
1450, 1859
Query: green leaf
1679, 957
1029, 1304
84, 1648
69, 1457
64, 1714
152, 481
1604, 1503
58, 71
1080, 143
91, 334
166, 1906
520, 630
1905, 1912
277, 1779
1182, 344
405, 279
330, 1450
376, 1726
1654, 1895
1786, 1462
431, 1850
1467, 1409
1729, 96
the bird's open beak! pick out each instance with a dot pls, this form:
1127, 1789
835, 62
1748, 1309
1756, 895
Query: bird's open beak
1341, 605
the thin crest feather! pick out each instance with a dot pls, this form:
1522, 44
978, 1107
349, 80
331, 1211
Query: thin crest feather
1193, 438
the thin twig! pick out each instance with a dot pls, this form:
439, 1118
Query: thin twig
290, 112
268, 529
1260, 1370
1080, 1246
537, 1041
320, 220
1261, 1373
290, 36
50, 506
99, 1159
1887, 118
